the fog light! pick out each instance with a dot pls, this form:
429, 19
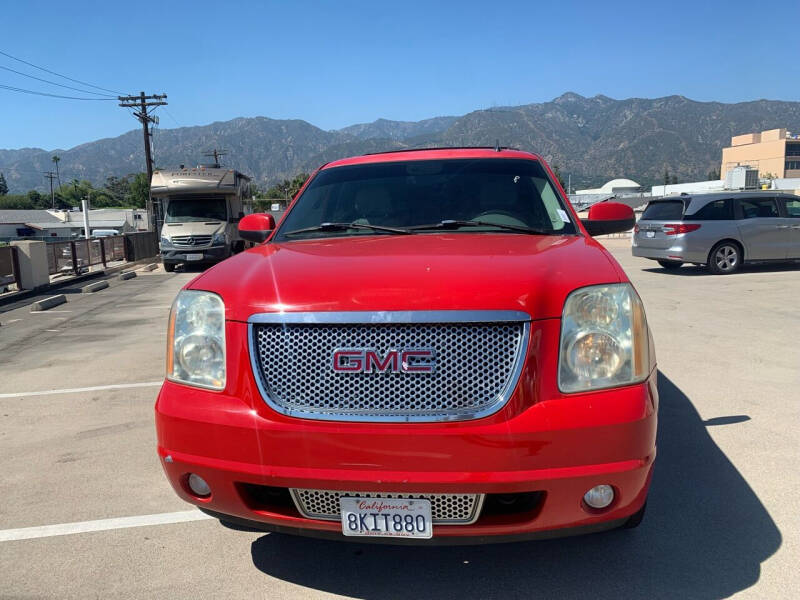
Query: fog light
599, 496
198, 485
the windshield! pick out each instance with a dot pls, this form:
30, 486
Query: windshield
506, 192
196, 209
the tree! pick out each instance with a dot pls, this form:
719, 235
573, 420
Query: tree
674, 179
557, 173
139, 190
713, 174
57, 159
287, 188
3, 185
666, 176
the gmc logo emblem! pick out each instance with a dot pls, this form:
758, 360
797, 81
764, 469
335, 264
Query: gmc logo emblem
368, 360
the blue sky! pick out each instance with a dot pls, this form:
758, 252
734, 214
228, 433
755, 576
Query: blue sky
338, 63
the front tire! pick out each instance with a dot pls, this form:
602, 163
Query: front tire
670, 265
725, 258
169, 267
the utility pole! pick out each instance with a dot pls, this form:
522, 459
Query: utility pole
50, 175
144, 105
216, 154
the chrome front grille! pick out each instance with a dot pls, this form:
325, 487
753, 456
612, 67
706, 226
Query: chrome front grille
452, 509
190, 241
477, 364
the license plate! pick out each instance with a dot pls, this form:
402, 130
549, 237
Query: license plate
650, 234
386, 517
194, 257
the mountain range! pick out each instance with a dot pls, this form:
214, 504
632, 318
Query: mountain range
591, 139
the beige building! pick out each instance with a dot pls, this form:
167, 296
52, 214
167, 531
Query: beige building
773, 152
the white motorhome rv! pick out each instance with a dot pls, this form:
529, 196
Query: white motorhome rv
201, 208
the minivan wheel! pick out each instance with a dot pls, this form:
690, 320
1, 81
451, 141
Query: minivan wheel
169, 267
670, 264
725, 258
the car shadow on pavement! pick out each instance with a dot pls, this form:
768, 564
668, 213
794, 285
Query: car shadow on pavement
695, 271
705, 535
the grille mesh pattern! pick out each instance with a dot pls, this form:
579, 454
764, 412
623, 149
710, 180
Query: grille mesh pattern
474, 362
445, 508
191, 240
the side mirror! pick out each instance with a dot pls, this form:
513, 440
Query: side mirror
609, 217
256, 227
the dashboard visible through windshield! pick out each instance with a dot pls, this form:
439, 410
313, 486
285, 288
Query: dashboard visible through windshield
463, 195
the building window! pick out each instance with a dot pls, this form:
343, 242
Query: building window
792, 149
792, 165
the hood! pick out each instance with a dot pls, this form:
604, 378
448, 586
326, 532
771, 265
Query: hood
462, 271
192, 228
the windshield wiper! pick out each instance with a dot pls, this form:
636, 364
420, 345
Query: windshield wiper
346, 226
455, 224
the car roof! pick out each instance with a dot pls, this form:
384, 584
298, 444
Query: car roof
711, 196
433, 154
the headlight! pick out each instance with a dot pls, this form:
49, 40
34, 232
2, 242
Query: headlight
219, 238
165, 242
604, 339
196, 340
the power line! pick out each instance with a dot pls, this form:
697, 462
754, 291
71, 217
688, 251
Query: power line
69, 87
97, 87
169, 114
23, 91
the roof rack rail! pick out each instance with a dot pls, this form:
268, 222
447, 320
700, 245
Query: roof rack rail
420, 149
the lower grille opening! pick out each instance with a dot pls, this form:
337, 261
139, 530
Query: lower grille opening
522, 504
448, 509
268, 499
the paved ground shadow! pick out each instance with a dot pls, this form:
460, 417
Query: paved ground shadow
697, 271
704, 536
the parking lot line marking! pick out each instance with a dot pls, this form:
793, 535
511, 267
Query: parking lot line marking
165, 307
96, 388
29, 533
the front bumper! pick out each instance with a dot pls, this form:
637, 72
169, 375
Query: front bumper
209, 254
541, 441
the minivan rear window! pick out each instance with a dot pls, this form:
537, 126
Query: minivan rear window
664, 210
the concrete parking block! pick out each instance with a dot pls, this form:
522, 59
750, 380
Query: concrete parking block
127, 275
150, 267
94, 287
48, 303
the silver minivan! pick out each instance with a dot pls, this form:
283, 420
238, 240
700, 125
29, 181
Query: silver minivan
721, 230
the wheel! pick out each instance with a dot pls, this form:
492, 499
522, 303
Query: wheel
636, 518
725, 258
670, 264
169, 267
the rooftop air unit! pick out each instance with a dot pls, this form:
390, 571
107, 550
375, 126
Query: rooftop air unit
741, 178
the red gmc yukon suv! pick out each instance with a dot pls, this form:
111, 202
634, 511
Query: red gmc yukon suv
428, 347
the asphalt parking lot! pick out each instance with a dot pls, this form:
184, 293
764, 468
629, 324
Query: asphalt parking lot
722, 516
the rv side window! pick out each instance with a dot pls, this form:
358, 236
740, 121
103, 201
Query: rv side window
669, 210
